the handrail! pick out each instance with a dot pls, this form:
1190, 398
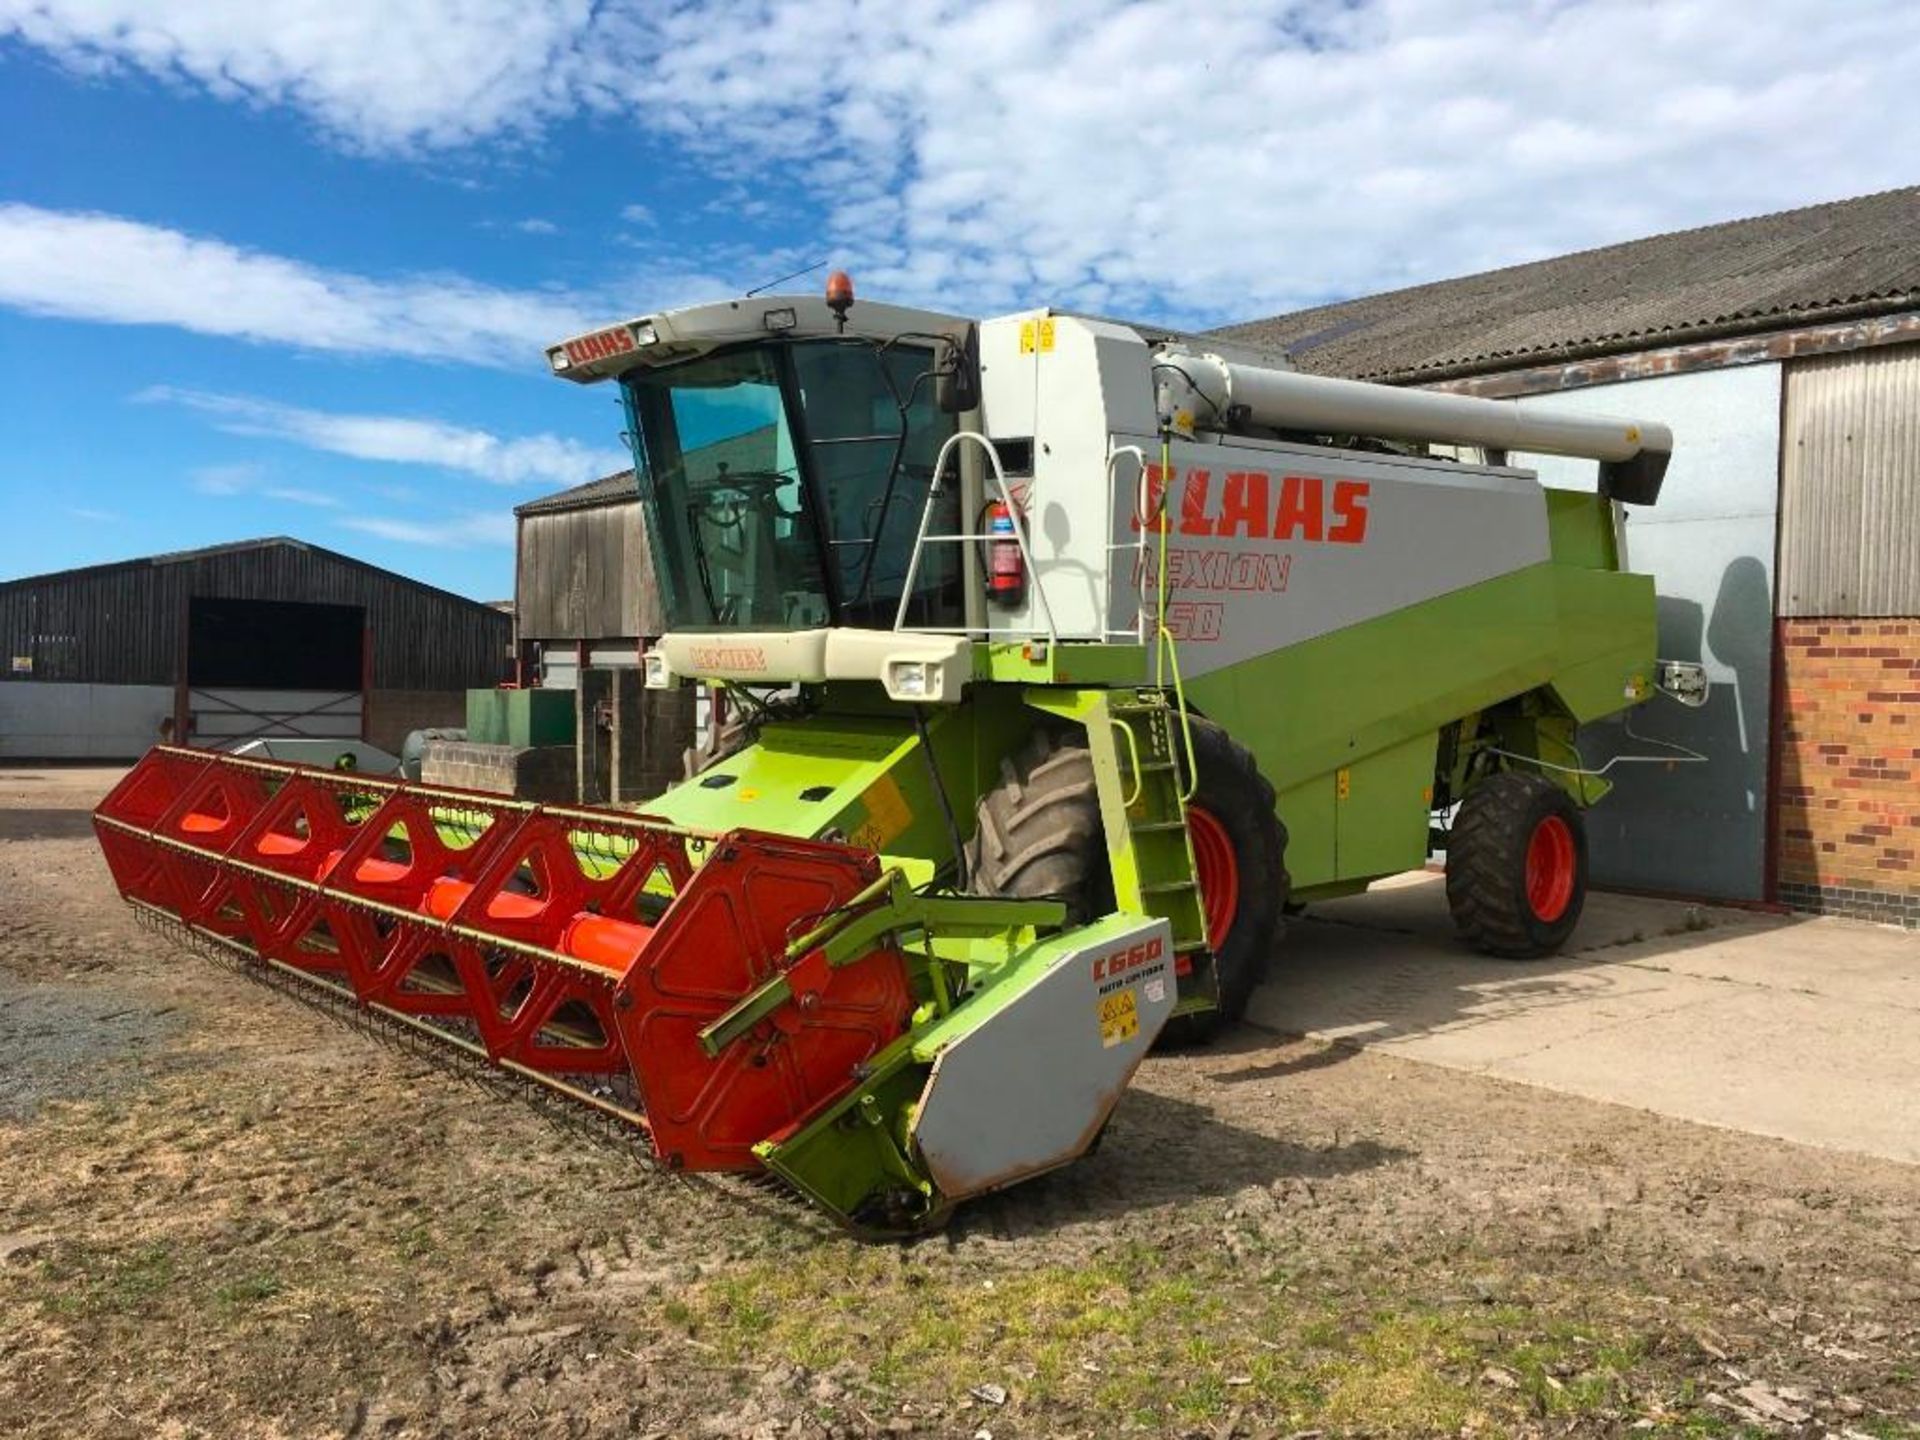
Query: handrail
921, 538
1166, 654
1139, 544
1133, 748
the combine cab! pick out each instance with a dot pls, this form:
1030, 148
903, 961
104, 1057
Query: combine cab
1063, 656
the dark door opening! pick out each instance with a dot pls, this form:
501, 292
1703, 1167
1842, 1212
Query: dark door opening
274, 645
272, 669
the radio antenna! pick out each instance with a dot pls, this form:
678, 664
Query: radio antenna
783, 279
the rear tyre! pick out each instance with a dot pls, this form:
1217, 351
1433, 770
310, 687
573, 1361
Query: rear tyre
1517, 866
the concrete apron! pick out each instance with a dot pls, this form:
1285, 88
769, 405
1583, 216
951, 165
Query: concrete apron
1798, 1027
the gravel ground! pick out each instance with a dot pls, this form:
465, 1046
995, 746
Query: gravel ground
227, 1215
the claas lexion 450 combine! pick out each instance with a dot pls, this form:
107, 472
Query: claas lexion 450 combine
1054, 659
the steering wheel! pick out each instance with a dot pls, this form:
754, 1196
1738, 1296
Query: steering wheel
752, 487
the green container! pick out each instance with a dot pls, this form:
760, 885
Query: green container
487, 716
520, 718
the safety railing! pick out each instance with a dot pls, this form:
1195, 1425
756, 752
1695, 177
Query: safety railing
922, 538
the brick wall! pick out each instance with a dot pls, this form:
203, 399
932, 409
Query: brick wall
1849, 795
542, 772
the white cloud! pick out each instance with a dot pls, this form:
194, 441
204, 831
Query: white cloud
377, 75
534, 225
394, 439
234, 479
1149, 158
85, 266
637, 214
452, 532
294, 495
247, 478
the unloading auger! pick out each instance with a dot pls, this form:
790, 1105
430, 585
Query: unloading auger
1071, 654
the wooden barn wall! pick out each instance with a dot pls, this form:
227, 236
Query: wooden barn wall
125, 624
585, 574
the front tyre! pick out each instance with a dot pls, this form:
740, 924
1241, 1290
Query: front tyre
1517, 866
1037, 834
1239, 858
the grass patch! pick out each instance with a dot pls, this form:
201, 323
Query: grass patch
1170, 1339
245, 1291
87, 1282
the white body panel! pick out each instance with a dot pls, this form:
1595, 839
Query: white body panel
1267, 547
1029, 1088
1361, 534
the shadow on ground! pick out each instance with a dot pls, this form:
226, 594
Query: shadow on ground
1388, 965
1159, 1150
45, 824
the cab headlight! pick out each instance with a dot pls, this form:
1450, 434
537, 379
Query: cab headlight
911, 680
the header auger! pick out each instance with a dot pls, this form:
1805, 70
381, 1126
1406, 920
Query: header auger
717, 992
1063, 656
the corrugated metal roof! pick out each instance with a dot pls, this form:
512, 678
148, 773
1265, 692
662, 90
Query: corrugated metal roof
241, 547
615, 489
1825, 262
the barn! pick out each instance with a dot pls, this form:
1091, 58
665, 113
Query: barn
259, 639
584, 588
586, 606
1784, 352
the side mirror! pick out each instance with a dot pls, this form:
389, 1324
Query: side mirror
956, 376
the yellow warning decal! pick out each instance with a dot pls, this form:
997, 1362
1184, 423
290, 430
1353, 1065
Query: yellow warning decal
1026, 337
1119, 1018
1046, 335
887, 814
1342, 782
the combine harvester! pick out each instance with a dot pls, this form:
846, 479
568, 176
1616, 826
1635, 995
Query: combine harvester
1063, 656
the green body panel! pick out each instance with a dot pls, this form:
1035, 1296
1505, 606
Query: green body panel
1073, 663
855, 767
1339, 701
1580, 530
1382, 807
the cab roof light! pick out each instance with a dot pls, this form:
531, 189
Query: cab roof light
840, 295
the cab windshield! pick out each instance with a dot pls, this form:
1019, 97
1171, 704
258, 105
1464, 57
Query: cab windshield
784, 483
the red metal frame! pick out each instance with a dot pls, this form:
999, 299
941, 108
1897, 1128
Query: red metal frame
507, 943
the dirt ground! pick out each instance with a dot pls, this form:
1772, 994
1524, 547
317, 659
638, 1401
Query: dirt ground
222, 1214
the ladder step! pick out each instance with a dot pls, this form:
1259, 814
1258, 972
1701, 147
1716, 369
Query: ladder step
1167, 887
1145, 826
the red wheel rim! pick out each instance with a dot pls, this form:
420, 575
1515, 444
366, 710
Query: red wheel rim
1218, 870
1550, 869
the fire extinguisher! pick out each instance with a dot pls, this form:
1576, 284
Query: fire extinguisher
1006, 571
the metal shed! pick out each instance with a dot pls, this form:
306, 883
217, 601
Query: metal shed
268, 637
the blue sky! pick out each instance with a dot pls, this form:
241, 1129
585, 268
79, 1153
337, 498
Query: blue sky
284, 267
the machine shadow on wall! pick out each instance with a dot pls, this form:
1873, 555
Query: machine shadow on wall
1706, 820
